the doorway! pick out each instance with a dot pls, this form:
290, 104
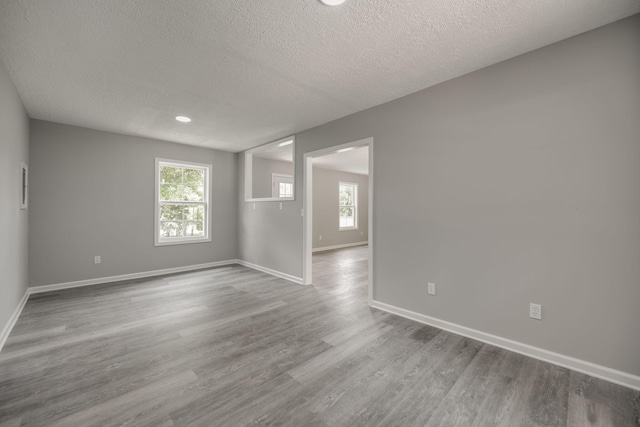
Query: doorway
308, 234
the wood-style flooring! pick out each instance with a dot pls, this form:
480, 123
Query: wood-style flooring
232, 346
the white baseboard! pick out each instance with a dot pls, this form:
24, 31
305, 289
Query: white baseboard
598, 371
344, 245
119, 278
276, 273
13, 319
100, 280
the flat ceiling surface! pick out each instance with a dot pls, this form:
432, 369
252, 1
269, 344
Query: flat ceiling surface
249, 72
353, 161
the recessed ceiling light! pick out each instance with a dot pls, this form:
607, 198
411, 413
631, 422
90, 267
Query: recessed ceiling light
183, 119
282, 144
332, 2
342, 150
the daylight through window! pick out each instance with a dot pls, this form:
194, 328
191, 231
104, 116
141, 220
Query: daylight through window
282, 186
182, 196
348, 194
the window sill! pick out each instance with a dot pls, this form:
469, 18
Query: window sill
181, 241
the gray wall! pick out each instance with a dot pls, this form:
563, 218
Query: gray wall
14, 148
325, 208
261, 176
92, 193
516, 183
267, 235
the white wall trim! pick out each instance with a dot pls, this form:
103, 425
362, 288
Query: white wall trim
119, 278
276, 273
344, 245
598, 371
13, 319
307, 203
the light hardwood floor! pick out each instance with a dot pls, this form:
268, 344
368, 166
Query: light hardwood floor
232, 346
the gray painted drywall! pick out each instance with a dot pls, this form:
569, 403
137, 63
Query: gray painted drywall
14, 149
92, 193
325, 208
267, 234
261, 175
517, 183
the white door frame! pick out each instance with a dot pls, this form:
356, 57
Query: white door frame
307, 200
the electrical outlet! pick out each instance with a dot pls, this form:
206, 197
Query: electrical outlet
431, 288
97, 259
535, 311
320, 237
280, 205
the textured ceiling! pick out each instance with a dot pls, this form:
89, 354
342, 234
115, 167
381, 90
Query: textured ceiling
249, 72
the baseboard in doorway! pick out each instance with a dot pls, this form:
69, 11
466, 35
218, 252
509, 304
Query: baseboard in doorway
276, 273
13, 319
608, 374
345, 245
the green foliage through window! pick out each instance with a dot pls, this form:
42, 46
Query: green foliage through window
182, 201
348, 195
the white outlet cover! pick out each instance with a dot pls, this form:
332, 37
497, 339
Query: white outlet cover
431, 288
535, 311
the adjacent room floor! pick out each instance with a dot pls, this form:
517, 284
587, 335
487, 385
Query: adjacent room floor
232, 346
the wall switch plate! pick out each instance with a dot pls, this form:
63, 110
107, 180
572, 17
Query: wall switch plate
280, 205
320, 237
535, 311
97, 259
431, 288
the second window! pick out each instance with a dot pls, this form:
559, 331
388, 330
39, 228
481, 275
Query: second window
348, 199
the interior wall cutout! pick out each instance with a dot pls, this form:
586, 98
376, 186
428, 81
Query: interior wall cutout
263, 165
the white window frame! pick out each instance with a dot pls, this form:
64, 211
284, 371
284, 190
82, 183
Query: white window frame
355, 206
206, 237
276, 179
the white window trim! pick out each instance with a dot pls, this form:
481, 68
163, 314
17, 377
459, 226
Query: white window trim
274, 180
355, 206
158, 241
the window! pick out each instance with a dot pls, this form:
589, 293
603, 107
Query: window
282, 185
348, 194
182, 202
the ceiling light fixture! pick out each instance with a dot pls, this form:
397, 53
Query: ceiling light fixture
332, 2
183, 119
289, 142
342, 150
